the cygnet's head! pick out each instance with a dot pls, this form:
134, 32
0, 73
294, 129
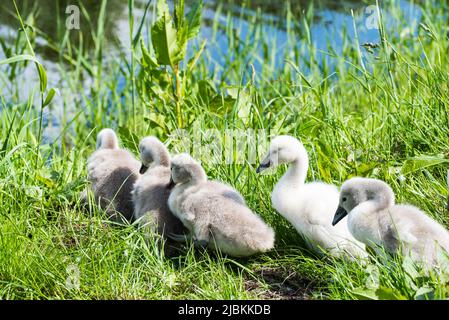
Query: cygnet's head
283, 149
358, 190
153, 153
185, 169
107, 139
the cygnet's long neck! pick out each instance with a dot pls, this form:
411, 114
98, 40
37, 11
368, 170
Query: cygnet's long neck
363, 216
198, 176
285, 194
163, 157
384, 199
107, 140
362, 220
296, 173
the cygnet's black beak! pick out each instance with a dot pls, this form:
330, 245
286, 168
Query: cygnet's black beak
340, 214
263, 166
143, 169
171, 184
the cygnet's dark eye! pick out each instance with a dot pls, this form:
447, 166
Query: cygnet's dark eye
344, 199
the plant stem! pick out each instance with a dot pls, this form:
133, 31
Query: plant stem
41, 115
133, 79
178, 96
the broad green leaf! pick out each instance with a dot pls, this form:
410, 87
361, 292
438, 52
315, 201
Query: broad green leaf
194, 20
419, 163
364, 294
364, 169
425, 293
42, 77
164, 40
50, 96
157, 120
148, 59
182, 40
384, 293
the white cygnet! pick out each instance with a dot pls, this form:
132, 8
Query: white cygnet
151, 190
112, 173
375, 219
215, 214
309, 207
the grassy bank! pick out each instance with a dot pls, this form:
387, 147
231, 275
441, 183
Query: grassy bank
381, 114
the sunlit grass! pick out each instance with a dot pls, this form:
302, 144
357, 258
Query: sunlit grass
386, 118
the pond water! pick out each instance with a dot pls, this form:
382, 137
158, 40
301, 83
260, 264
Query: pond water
330, 17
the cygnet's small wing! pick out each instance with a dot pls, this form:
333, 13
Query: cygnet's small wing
226, 191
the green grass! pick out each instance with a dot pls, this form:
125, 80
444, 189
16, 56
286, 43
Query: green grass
387, 118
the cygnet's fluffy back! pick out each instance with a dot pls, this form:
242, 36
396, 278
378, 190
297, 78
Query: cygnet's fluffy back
215, 213
112, 173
